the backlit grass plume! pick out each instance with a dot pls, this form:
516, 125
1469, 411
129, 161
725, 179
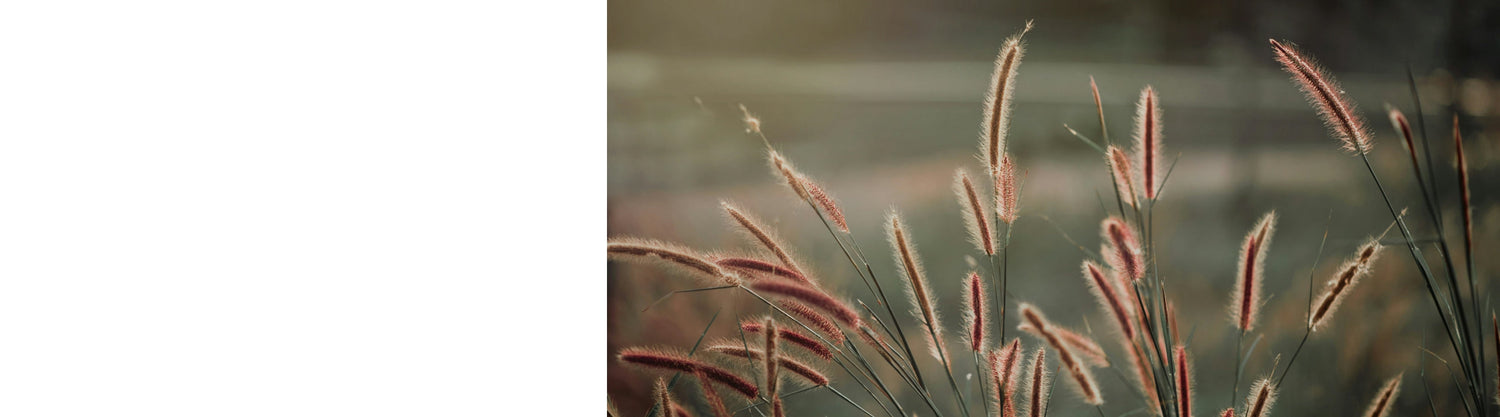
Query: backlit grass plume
1108, 293
1262, 397
1035, 323
1382, 403
810, 296
671, 256
1338, 288
974, 306
1038, 385
670, 359
761, 234
974, 213
1325, 94
1183, 372
800, 369
1123, 175
1247, 284
790, 336
1000, 98
916, 282
1005, 368
1148, 140
1121, 249
1007, 197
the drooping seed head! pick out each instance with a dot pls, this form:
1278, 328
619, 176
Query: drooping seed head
813, 319
803, 370
784, 333
1122, 251
1327, 97
1124, 176
975, 217
761, 234
916, 282
1246, 297
753, 268
1145, 376
1083, 346
783, 168
1111, 301
1148, 140
1382, 403
670, 256
1262, 397
1343, 281
974, 306
674, 360
827, 203
770, 354
1000, 98
1035, 323
812, 297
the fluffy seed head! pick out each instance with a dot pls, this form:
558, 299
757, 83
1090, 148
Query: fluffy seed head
781, 167
810, 296
916, 288
770, 354
672, 256
1248, 281
1382, 403
1184, 382
1228, 412
796, 367
1338, 287
1005, 367
1111, 301
1327, 97
791, 336
671, 359
1035, 323
974, 213
1122, 251
761, 234
1007, 199
1148, 140
1038, 386
999, 99
1262, 397
1124, 176
753, 268
818, 322
664, 398
1082, 345
974, 306
830, 207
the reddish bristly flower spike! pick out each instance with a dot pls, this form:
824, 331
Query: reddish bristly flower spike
1246, 297
1184, 371
818, 322
1110, 300
1228, 412
1035, 323
1007, 199
677, 361
1262, 397
1038, 385
664, 398
780, 166
1463, 191
1121, 250
796, 367
1348, 274
916, 288
712, 396
974, 318
791, 336
761, 234
1083, 346
1124, 176
811, 296
756, 266
640, 250
1398, 122
1000, 98
1382, 403
1148, 140
1327, 97
974, 213
827, 203
770, 354
1005, 367
678, 411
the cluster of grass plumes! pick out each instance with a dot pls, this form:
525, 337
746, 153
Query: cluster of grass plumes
816, 340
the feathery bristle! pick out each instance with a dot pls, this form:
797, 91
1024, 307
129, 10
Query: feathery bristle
1382, 404
1004, 369
1040, 383
1228, 412
638, 250
677, 361
1124, 176
916, 288
830, 207
770, 354
1110, 299
1463, 191
818, 322
1145, 376
752, 123
1036, 324
1338, 288
1083, 346
1000, 98
1248, 281
712, 396
796, 367
1007, 201
1148, 140
974, 214
776, 408
811, 296
1262, 397
793, 337
664, 398
1325, 94
1122, 251
793, 179
974, 318
761, 234
1184, 372
757, 266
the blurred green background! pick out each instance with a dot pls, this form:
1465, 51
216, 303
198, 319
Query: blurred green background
880, 101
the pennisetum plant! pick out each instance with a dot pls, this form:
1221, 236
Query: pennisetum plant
811, 327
